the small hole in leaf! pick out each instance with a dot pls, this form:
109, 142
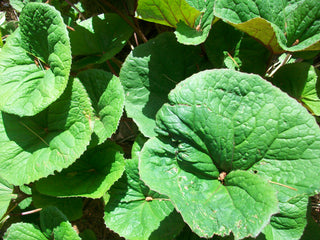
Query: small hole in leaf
255, 171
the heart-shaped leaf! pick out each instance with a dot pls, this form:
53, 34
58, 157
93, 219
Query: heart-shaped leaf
90, 176
221, 136
281, 26
35, 61
34, 147
149, 73
152, 215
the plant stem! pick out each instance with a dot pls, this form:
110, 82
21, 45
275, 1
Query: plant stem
285, 60
32, 211
112, 69
77, 9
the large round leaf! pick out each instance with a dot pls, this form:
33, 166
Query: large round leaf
34, 147
151, 71
280, 25
35, 61
221, 136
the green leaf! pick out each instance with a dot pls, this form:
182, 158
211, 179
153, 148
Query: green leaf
100, 37
6, 195
149, 73
107, 97
8, 28
254, 57
25, 203
300, 80
90, 176
222, 39
35, 61
34, 147
220, 122
166, 12
291, 221
54, 223
152, 216
71, 207
26, 231
206, 205
88, 234
197, 34
280, 26
19, 4
228, 47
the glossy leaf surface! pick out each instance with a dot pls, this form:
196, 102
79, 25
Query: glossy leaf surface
199, 32
37, 146
291, 25
226, 122
167, 12
26, 231
35, 61
107, 98
151, 71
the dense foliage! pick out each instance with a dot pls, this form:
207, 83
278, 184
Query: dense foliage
225, 100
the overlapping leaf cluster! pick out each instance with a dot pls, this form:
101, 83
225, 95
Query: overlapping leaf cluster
229, 142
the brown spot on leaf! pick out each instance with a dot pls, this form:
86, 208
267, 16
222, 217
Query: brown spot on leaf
221, 177
149, 199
